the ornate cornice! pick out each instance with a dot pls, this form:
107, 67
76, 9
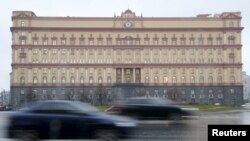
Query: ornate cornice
75, 29
116, 65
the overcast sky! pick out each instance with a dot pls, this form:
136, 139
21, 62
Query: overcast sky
107, 8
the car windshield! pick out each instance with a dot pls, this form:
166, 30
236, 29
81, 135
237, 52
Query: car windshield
84, 107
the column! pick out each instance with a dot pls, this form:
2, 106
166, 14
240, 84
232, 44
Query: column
133, 75
122, 75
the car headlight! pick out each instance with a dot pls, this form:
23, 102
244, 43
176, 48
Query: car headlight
125, 124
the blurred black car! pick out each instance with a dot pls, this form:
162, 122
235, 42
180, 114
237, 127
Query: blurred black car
152, 108
67, 120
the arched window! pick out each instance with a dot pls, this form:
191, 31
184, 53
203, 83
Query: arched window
109, 79
91, 80
192, 79
44, 80
174, 79
183, 79
201, 79
156, 79
53, 80
63, 80
210, 79
219, 80
165, 79
22, 80
232, 79
72, 79
99, 79
35, 80
81, 80
147, 79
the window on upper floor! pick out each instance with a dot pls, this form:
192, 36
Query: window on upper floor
23, 42
54, 42
22, 80
23, 24
63, 41
219, 41
231, 41
231, 24
45, 42
35, 42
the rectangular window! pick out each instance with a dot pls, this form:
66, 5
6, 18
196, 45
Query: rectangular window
63, 42
35, 42
72, 42
219, 41
91, 70
22, 60
231, 60
45, 42
54, 42
231, 42
82, 42
23, 24
109, 42
22, 50
164, 42
91, 42
23, 42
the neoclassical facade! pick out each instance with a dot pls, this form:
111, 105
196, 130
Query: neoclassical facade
100, 59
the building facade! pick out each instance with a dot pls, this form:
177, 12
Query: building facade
100, 59
246, 87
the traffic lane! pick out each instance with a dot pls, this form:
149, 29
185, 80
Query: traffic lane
184, 130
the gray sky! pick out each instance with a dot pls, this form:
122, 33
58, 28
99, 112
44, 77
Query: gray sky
107, 8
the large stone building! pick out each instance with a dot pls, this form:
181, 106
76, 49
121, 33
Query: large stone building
246, 87
99, 59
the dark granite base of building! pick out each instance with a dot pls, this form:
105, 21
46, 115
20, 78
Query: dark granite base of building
103, 95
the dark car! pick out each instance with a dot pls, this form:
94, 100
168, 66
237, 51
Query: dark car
152, 108
67, 120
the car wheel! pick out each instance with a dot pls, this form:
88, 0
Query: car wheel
27, 136
106, 135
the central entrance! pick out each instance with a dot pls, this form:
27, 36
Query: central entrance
128, 75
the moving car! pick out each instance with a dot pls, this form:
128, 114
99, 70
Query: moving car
56, 119
152, 108
246, 105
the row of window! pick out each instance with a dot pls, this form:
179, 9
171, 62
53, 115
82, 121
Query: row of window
128, 71
131, 51
128, 40
130, 61
147, 80
63, 80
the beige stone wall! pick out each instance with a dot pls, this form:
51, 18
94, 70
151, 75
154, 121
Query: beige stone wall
158, 61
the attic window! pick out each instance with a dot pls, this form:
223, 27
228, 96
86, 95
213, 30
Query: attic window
231, 24
23, 24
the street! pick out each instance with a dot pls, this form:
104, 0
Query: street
186, 130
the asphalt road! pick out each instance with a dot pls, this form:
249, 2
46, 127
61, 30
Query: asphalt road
186, 130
